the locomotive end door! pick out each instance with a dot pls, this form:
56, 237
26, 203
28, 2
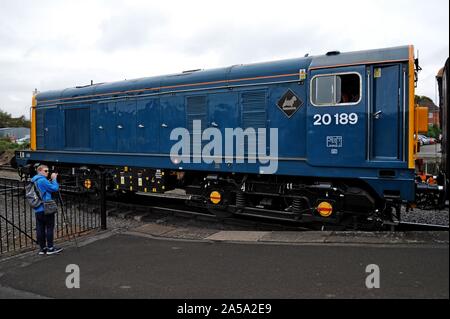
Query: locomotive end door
337, 103
385, 113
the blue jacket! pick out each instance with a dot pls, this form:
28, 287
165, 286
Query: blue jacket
46, 189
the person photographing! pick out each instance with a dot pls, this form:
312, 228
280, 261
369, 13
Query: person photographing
45, 213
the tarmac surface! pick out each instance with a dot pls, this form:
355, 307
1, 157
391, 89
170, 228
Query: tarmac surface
157, 261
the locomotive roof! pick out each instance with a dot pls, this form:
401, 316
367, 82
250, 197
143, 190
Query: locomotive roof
394, 54
236, 74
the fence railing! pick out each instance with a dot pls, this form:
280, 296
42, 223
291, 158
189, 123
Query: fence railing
78, 213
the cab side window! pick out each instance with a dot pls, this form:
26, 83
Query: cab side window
336, 89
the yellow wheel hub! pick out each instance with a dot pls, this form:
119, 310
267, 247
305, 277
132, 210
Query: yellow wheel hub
325, 209
215, 197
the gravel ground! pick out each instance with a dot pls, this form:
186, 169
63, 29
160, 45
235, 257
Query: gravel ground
435, 217
9, 174
122, 223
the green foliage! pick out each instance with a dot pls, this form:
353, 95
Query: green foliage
6, 120
6, 144
434, 131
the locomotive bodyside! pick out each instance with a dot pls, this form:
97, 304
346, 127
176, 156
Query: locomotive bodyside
341, 118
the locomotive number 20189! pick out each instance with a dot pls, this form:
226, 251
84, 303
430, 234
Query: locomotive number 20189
339, 119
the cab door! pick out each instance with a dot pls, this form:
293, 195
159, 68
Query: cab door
336, 117
385, 117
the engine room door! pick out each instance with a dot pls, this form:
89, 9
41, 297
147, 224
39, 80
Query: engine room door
173, 115
385, 116
126, 126
148, 126
103, 129
51, 132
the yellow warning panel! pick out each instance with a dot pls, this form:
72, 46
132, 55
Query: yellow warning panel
377, 73
422, 119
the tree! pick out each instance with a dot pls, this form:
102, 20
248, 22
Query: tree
434, 131
6, 120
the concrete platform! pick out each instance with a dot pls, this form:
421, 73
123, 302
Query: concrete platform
242, 236
330, 237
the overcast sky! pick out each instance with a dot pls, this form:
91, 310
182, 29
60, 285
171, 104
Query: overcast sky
57, 44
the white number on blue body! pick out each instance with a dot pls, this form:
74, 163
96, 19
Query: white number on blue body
339, 119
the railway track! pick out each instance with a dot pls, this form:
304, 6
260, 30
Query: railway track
176, 211
174, 207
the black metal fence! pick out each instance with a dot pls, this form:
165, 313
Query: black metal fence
78, 213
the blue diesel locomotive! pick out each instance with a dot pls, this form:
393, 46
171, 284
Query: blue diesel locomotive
327, 139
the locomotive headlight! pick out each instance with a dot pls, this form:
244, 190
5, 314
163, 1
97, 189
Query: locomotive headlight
87, 184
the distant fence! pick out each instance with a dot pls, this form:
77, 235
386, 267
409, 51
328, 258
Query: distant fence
428, 166
78, 215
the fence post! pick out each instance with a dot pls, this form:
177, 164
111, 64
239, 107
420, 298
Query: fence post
103, 200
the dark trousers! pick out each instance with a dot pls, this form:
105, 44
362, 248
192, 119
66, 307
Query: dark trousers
45, 225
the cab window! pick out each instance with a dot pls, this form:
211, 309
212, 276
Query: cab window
336, 89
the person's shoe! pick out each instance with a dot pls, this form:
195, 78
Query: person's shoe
53, 250
42, 251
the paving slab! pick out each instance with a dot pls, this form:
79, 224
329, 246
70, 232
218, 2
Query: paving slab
251, 236
326, 237
295, 237
190, 233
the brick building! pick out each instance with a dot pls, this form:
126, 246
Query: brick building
433, 109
